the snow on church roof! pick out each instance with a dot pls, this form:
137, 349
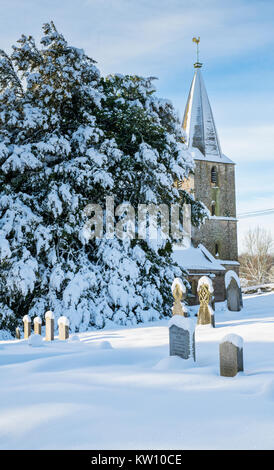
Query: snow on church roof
199, 125
196, 258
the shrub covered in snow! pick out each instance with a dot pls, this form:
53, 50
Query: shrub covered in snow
68, 138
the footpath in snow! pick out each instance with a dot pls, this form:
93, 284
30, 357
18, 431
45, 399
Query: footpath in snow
119, 389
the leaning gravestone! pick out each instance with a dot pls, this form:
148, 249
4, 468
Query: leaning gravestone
49, 326
231, 355
37, 325
182, 337
63, 324
233, 291
27, 326
179, 291
205, 292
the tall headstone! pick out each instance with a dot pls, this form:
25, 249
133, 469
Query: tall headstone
63, 324
231, 355
37, 325
27, 326
205, 292
182, 337
179, 292
233, 292
49, 326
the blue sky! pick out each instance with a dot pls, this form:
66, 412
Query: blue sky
154, 38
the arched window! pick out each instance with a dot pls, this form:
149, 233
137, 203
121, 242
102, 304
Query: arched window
213, 208
217, 249
214, 175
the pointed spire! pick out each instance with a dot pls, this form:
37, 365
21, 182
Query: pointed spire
198, 121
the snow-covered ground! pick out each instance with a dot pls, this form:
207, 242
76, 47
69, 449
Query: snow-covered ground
119, 389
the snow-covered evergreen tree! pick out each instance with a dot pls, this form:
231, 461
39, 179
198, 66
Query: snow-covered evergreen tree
69, 138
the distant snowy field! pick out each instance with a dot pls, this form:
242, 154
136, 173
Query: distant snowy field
118, 389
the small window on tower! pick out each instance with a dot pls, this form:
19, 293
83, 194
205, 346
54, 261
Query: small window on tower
217, 249
213, 208
214, 175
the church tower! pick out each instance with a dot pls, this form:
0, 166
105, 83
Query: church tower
213, 182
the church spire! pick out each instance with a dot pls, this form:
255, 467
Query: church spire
198, 121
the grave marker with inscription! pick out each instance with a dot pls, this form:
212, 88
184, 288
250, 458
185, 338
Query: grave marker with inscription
182, 337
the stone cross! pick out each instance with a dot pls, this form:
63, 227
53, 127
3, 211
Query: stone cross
231, 355
178, 291
49, 326
27, 326
205, 291
37, 325
63, 324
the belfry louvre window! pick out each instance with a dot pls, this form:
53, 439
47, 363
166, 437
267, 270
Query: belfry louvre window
214, 175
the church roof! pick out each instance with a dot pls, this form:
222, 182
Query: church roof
199, 125
196, 259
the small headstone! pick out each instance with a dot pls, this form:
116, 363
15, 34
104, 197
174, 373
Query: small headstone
205, 291
231, 355
233, 292
179, 292
182, 337
63, 324
49, 326
17, 333
27, 326
37, 325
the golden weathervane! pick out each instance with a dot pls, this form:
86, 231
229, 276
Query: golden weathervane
197, 40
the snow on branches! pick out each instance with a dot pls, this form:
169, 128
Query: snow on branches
69, 138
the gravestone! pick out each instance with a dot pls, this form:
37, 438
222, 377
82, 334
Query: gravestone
27, 326
233, 292
205, 291
63, 324
37, 325
17, 333
179, 292
181, 337
49, 326
231, 355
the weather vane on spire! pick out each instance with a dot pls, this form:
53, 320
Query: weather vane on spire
197, 63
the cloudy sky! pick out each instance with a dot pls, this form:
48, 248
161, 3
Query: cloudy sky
154, 38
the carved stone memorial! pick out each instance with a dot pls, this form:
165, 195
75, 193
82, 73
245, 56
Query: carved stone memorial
205, 291
179, 292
